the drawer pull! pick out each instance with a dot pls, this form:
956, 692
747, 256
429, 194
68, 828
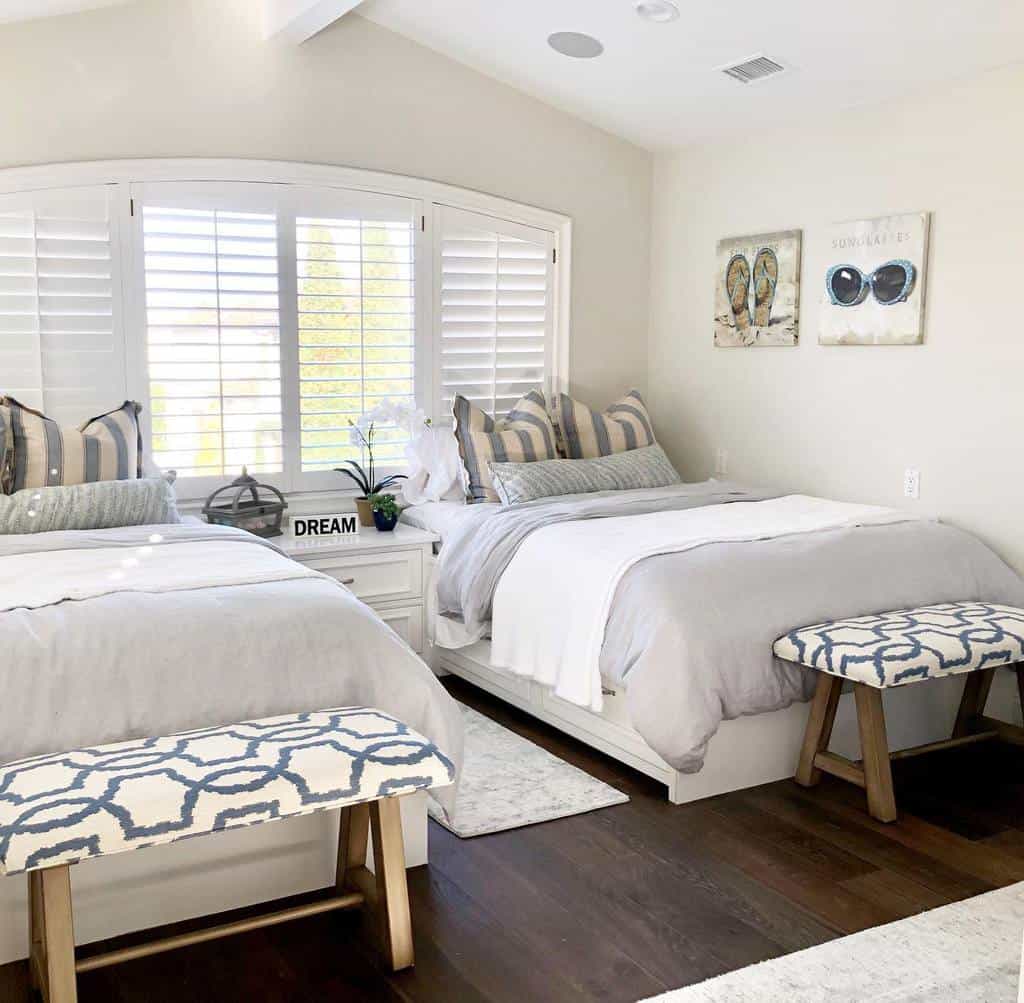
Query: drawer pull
605, 691
348, 581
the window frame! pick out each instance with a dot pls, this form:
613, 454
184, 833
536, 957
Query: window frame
291, 178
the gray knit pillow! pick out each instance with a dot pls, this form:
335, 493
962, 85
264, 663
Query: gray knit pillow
98, 505
647, 467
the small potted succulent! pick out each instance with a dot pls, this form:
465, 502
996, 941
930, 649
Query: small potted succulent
385, 511
362, 435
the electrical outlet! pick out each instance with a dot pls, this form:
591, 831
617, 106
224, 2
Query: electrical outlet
911, 483
721, 462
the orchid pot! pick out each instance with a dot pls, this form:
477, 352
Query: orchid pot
364, 511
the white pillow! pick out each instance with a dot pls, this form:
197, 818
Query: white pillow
435, 467
151, 471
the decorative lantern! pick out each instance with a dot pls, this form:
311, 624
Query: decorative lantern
258, 514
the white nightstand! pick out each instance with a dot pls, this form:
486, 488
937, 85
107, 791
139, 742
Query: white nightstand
388, 571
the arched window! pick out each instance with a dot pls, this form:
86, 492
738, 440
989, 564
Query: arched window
254, 317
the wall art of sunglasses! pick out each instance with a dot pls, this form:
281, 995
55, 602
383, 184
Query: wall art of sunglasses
890, 283
875, 277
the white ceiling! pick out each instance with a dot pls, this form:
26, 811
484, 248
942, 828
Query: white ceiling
657, 84
29, 10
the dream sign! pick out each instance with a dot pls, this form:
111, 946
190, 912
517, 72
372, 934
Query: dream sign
324, 525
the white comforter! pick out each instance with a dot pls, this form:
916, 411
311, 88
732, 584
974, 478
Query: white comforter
552, 604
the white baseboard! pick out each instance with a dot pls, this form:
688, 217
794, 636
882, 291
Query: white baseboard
198, 877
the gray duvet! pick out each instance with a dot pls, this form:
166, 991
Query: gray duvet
690, 634
129, 664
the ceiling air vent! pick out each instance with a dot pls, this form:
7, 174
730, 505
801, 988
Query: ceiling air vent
755, 68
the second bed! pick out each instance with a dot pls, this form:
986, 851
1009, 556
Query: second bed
643, 621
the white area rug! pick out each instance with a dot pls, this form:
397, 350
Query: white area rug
969, 952
508, 782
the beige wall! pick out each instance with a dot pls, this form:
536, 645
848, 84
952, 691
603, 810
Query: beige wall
846, 422
194, 78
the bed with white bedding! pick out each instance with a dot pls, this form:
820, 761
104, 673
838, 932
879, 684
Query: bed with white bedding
674, 596
125, 633
142, 631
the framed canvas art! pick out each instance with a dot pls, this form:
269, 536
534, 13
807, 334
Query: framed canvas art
873, 284
757, 290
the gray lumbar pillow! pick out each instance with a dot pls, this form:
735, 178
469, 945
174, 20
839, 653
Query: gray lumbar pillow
99, 505
647, 467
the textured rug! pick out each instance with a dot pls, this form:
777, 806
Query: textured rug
508, 782
969, 952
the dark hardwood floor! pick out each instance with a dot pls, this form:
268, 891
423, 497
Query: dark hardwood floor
629, 901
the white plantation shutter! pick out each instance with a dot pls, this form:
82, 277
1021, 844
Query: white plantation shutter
254, 320
213, 335
61, 342
495, 310
355, 274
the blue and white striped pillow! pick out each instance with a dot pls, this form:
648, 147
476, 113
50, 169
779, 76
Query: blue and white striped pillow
106, 448
585, 433
647, 467
525, 435
6, 450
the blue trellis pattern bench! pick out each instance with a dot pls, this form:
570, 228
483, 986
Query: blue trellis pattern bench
885, 650
56, 810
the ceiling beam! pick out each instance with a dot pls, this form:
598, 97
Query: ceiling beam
298, 20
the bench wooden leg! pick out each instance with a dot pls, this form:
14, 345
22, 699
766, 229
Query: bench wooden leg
51, 926
972, 703
385, 890
35, 932
353, 838
874, 772
392, 890
819, 727
875, 751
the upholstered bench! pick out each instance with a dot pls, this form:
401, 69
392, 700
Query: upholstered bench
57, 810
879, 652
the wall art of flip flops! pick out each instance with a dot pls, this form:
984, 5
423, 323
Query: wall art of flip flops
757, 290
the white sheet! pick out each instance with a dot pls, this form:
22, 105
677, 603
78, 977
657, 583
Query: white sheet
439, 517
32, 581
552, 604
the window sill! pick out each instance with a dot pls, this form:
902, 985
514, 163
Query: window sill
299, 503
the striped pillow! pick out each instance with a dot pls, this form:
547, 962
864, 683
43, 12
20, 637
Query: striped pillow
524, 435
107, 448
585, 433
6, 451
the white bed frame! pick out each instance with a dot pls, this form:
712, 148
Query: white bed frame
746, 751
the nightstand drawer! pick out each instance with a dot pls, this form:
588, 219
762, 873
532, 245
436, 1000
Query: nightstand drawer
407, 623
381, 577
